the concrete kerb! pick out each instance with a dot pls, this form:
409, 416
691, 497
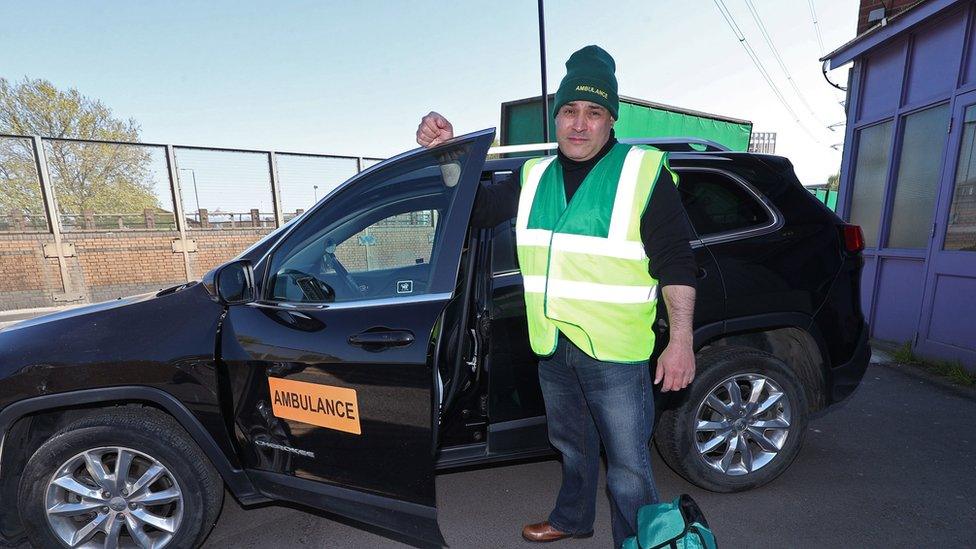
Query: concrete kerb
881, 355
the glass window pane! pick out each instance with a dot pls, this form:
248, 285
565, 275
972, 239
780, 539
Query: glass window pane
110, 186
717, 204
503, 258
961, 229
21, 203
401, 240
304, 179
225, 189
873, 148
370, 162
918, 178
379, 237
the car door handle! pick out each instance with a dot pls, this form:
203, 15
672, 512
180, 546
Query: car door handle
382, 338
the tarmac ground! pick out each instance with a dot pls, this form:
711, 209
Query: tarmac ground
893, 466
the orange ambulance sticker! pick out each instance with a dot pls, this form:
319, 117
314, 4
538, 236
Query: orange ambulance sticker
323, 405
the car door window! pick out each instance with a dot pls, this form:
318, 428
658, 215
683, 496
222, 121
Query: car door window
503, 258
399, 241
379, 238
718, 204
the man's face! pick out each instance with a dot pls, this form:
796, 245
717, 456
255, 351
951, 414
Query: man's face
582, 129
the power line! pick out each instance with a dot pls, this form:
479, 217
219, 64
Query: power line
769, 42
759, 66
816, 26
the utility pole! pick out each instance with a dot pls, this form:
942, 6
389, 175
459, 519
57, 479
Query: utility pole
542, 56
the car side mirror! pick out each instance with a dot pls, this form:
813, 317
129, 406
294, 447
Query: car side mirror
231, 283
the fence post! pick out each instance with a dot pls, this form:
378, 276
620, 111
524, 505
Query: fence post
88, 217
359, 164
204, 216
149, 215
255, 217
17, 220
279, 215
174, 183
51, 210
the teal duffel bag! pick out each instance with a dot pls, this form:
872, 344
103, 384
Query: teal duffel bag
676, 525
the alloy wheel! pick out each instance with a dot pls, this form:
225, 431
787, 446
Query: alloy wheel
742, 424
114, 497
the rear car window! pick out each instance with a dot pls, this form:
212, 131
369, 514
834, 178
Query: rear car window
503, 248
716, 203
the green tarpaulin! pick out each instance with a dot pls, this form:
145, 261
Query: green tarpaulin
522, 124
829, 198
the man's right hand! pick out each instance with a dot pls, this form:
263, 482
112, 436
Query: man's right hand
433, 130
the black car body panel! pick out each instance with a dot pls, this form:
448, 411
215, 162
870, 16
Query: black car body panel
443, 376
282, 336
393, 389
234, 476
162, 341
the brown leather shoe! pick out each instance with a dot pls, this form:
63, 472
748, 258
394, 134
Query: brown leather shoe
544, 532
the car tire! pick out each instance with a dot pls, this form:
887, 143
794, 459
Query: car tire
742, 446
174, 484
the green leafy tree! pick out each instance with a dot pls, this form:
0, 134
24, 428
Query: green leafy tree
102, 178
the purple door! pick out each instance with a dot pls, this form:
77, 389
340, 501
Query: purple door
947, 328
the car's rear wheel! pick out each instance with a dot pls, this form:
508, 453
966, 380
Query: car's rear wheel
130, 477
741, 424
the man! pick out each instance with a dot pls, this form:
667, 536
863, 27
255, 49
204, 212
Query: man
599, 228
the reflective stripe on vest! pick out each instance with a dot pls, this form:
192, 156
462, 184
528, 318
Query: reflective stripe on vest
583, 264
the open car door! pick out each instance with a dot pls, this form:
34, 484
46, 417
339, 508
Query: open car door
330, 374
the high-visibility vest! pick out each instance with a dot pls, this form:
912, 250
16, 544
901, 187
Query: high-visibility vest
583, 264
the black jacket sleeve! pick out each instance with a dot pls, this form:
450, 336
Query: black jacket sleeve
496, 202
666, 234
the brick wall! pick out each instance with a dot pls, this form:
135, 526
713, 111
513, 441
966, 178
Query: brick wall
111, 265
107, 265
215, 247
27, 278
396, 246
892, 8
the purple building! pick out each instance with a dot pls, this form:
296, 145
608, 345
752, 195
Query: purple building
908, 174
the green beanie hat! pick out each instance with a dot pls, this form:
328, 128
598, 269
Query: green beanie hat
589, 77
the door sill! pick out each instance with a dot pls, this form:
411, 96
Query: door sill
477, 454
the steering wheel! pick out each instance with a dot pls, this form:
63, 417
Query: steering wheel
333, 262
313, 289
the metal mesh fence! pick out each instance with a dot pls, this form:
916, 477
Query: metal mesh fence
110, 186
21, 201
367, 162
113, 186
304, 179
86, 220
225, 189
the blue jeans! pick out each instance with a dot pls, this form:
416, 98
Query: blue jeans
589, 401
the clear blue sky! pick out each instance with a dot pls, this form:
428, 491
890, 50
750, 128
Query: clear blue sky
354, 77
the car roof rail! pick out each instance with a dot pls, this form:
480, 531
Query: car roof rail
669, 144
530, 147
678, 144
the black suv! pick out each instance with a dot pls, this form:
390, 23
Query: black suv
344, 358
